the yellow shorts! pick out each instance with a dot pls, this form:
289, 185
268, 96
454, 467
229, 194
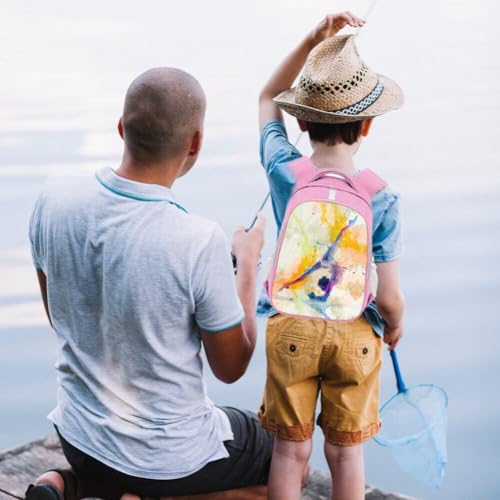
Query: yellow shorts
342, 361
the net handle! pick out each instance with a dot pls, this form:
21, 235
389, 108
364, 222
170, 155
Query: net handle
397, 371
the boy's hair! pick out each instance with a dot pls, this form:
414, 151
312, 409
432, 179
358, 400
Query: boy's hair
334, 133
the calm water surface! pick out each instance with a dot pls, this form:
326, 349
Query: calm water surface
66, 67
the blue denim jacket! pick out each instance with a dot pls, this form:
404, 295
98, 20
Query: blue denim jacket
276, 153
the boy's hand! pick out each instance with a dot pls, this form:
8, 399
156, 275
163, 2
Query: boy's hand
392, 336
247, 245
332, 24
289, 69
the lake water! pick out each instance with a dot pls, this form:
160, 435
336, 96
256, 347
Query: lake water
65, 68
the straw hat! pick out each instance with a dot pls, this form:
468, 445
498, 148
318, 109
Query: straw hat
336, 86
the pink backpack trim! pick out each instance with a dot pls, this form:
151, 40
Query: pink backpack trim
304, 171
370, 181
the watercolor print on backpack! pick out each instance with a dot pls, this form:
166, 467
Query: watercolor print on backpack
322, 264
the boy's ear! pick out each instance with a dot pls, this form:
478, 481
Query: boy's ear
366, 126
196, 142
302, 125
120, 127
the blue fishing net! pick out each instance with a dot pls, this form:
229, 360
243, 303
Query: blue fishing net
414, 428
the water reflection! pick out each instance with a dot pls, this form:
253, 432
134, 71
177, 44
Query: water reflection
65, 70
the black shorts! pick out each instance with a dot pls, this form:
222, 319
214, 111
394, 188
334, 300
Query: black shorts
248, 464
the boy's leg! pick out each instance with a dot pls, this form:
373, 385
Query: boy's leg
349, 403
347, 467
293, 348
288, 468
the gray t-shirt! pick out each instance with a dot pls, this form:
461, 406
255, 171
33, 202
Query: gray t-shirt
131, 277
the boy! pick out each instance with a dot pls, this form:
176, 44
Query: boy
335, 102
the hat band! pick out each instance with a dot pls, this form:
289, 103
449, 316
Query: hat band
366, 102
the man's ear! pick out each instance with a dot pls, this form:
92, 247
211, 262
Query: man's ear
302, 125
196, 142
366, 126
120, 127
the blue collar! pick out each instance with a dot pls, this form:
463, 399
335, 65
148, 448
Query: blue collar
135, 190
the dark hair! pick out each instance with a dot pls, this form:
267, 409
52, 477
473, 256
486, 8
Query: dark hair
334, 133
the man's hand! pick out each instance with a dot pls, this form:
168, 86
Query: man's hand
332, 24
392, 336
247, 246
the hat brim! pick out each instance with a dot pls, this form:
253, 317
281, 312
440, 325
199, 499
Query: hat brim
391, 98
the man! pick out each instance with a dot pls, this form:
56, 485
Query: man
133, 285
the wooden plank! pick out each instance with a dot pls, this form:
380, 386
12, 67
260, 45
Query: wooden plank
20, 467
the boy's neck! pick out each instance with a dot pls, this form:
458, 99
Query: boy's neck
339, 157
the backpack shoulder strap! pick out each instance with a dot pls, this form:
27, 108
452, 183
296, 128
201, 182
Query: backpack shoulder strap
370, 182
303, 170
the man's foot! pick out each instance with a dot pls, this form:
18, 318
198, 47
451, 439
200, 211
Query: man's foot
49, 486
59, 484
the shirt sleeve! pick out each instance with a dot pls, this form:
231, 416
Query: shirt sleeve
35, 235
387, 237
275, 148
217, 305
276, 153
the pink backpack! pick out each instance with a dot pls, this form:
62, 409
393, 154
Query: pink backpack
322, 264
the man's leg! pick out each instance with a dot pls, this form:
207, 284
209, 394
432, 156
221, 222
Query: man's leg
240, 476
289, 466
249, 493
258, 492
347, 467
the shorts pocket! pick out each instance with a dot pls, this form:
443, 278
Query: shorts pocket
366, 354
293, 346
290, 338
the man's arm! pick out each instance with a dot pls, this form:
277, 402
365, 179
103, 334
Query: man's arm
286, 73
42, 281
390, 301
229, 352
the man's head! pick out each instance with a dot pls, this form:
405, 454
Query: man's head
163, 118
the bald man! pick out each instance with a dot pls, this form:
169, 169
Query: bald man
133, 286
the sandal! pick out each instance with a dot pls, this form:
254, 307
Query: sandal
46, 491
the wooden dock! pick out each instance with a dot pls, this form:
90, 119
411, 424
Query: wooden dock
20, 466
